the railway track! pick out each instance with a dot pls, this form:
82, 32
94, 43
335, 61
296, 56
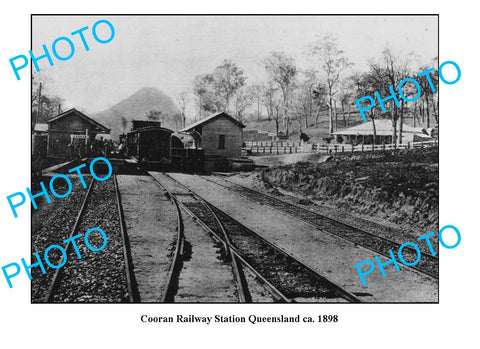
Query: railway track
286, 278
180, 200
133, 295
428, 264
54, 284
55, 289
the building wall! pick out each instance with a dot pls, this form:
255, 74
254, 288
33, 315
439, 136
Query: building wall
59, 132
233, 138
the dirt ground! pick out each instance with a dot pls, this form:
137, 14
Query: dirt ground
395, 189
331, 256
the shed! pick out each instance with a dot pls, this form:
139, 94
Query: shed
69, 125
219, 135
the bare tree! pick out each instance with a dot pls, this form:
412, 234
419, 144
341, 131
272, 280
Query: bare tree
305, 103
257, 93
366, 84
429, 97
272, 101
282, 70
346, 96
333, 63
320, 100
389, 72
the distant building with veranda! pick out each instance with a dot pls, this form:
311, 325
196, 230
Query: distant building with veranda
364, 132
219, 135
67, 126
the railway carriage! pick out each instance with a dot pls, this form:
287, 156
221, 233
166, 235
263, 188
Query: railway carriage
150, 144
157, 145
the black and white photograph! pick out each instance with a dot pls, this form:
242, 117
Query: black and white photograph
208, 174
235, 158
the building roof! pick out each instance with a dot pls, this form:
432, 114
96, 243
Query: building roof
41, 128
151, 128
82, 116
211, 118
383, 127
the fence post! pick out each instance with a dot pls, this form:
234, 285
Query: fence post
362, 147
271, 152
342, 148
421, 144
296, 150
290, 149
383, 146
408, 145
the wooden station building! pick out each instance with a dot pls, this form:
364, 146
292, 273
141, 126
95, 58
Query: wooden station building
220, 136
71, 125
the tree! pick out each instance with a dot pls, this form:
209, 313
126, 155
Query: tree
319, 99
305, 97
365, 84
257, 93
182, 100
389, 72
215, 91
154, 115
346, 96
429, 97
272, 101
203, 89
333, 63
227, 79
243, 99
281, 69
49, 106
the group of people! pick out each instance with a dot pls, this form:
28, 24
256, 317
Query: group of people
81, 148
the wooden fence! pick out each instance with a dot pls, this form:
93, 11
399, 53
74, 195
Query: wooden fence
278, 148
273, 144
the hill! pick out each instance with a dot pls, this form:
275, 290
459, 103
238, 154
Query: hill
118, 118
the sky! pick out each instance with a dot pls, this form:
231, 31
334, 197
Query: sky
167, 52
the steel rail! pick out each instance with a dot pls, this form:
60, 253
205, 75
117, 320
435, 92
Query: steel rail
175, 266
275, 201
59, 272
243, 293
133, 294
347, 295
